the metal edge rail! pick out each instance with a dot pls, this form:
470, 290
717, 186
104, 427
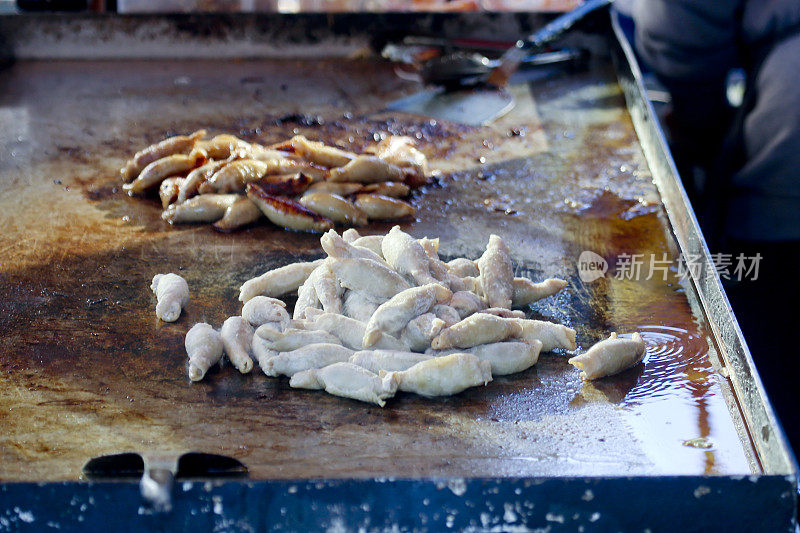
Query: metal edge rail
770, 443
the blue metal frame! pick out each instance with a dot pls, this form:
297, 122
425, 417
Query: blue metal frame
687, 503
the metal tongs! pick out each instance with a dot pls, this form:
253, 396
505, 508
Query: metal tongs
468, 69
467, 87
458, 69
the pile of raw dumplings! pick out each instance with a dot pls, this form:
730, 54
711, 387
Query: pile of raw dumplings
380, 314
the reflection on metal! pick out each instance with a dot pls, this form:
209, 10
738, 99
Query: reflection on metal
156, 488
157, 472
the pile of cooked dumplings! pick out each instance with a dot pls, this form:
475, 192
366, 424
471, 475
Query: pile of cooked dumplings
298, 184
383, 313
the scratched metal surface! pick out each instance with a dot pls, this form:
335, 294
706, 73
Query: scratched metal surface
86, 369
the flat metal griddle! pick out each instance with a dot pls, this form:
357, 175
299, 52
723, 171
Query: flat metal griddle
87, 370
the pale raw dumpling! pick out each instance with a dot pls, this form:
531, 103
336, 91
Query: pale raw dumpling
610, 356
172, 295
348, 381
444, 376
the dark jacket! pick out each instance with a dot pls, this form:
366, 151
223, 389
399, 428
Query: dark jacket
692, 45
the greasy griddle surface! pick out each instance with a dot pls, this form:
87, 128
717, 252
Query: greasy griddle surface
86, 368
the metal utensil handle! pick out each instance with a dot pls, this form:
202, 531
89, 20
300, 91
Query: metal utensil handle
548, 58
511, 59
556, 27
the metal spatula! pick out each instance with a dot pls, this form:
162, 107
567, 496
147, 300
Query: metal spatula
473, 107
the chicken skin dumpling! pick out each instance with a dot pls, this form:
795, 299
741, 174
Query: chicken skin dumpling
204, 348
305, 358
610, 356
444, 376
526, 292
479, 328
348, 381
237, 338
388, 360
172, 294
551, 335
496, 273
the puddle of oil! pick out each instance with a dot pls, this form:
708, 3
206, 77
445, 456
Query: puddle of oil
670, 352
675, 396
676, 399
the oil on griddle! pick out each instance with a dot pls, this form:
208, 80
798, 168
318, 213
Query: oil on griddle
87, 369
